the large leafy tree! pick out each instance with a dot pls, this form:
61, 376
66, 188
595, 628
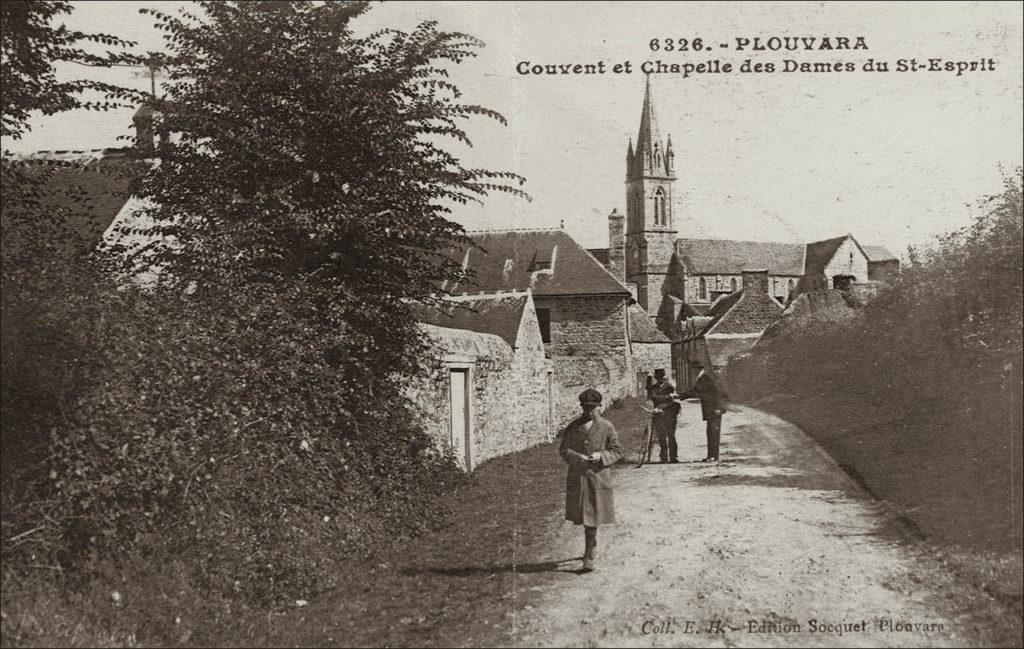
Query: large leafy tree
299, 153
247, 413
302, 150
30, 44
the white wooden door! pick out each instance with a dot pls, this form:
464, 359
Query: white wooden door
460, 438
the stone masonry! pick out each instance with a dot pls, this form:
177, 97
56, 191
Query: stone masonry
588, 349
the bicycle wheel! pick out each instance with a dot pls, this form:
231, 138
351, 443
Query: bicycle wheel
645, 448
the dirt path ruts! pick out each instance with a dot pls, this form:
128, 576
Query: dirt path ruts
762, 546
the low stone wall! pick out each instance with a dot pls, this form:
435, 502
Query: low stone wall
648, 357
514, 407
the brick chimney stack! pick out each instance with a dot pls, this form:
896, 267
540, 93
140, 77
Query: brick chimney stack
755, 281
617, 245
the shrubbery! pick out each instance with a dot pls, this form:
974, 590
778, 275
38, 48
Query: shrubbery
244, 416
921, 391
215, 426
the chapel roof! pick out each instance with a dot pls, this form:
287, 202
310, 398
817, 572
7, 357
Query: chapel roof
728, 257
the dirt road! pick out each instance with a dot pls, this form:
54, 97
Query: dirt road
774, 546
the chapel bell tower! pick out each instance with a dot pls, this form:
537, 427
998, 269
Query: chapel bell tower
650, 233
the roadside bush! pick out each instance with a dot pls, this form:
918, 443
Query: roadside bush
921, 392
218, 426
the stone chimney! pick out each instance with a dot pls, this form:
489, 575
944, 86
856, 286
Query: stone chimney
755, 281
143, 121
617, 245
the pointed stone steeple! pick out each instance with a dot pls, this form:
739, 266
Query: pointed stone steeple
651, 157
650, 213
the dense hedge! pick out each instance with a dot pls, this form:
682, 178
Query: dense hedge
920, 391
221, 427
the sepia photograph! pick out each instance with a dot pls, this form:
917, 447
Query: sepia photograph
511, 324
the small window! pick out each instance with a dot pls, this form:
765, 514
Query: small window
732, 284
660, 217
703, 289
544, 321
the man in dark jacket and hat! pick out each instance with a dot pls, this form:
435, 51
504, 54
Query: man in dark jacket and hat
666, 412
713, 403
590, 446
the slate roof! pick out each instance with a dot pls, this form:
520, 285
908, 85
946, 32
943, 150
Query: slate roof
84, 189
641, 328
693, 310
879, 253
819, 253
727, 257
501, 261
600, 254
499, 315
718, 309
468, 342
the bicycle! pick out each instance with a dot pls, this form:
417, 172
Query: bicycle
647, 443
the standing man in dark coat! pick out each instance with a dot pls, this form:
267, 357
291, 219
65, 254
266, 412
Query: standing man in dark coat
666, 411
713, 403
590, 446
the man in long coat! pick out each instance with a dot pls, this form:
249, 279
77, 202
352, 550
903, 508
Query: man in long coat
590, 446
713, 403
666, 411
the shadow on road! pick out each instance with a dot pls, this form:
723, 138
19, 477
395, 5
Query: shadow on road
522, 568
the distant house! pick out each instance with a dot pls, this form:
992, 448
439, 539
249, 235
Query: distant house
581, 307
882, 264
651, 349
834, 263
88, 194
490, 390
731, 326
81, 193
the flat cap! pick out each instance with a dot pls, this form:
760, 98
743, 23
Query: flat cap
590, 396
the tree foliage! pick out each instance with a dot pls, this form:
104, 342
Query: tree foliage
248, 411
30, 45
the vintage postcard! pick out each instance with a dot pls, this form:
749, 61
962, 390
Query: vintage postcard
512, 323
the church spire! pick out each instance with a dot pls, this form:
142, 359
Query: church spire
651, 155
649, 134
650, 219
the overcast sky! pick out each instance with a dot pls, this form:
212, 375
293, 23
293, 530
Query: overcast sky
894, 158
